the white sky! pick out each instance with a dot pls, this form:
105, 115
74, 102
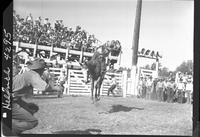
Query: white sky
166, 25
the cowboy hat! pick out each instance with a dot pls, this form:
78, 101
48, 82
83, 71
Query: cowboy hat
37, 64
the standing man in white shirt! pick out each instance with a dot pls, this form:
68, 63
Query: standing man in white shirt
149, 87
189, 90
140, 86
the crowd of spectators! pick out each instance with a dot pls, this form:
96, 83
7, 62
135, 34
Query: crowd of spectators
171, 90
41, 32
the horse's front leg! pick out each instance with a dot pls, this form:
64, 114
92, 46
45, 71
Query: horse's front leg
100, 81
92, 89
99, 88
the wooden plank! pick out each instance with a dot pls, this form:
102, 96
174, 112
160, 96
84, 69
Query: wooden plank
79, 86
56, 49
56, 69
78, 91
80, 94
77, 76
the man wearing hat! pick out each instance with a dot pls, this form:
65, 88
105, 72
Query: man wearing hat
160, 90
170, 90
113, 83
62, 78
180, 90
22, 86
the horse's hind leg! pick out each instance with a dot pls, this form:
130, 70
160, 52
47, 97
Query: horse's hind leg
96, 89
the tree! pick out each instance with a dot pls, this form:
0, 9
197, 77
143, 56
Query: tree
163, 72
186, 66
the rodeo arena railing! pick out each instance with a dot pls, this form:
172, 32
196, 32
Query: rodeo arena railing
74, 84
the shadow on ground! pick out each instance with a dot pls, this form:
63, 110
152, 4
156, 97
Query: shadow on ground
87, 131
118, 108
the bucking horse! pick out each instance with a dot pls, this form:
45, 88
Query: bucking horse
96, 67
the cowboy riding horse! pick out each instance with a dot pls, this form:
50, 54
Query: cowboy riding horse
97, 68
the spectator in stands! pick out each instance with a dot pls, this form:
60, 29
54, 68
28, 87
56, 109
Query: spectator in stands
46, 21
29, 19
37, 32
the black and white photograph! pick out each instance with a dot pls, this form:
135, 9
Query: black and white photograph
103, 67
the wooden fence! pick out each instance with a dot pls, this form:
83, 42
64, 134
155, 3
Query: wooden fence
52, 50
76, 86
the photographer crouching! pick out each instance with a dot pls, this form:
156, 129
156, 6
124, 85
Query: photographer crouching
23, 84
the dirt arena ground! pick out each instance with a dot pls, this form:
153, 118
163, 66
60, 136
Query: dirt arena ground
111, 115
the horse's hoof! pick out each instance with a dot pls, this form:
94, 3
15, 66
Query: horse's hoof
92, 100
97, 99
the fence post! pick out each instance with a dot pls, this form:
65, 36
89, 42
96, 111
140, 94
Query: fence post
124, 86
68, 82
81, 55
17, 46
67, 53
51, 51
119, 59
35, 49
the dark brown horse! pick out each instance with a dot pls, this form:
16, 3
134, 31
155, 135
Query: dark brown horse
97, 66
97, 69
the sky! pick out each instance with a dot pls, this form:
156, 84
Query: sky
166, 25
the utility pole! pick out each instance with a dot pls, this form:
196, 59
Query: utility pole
135, 47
